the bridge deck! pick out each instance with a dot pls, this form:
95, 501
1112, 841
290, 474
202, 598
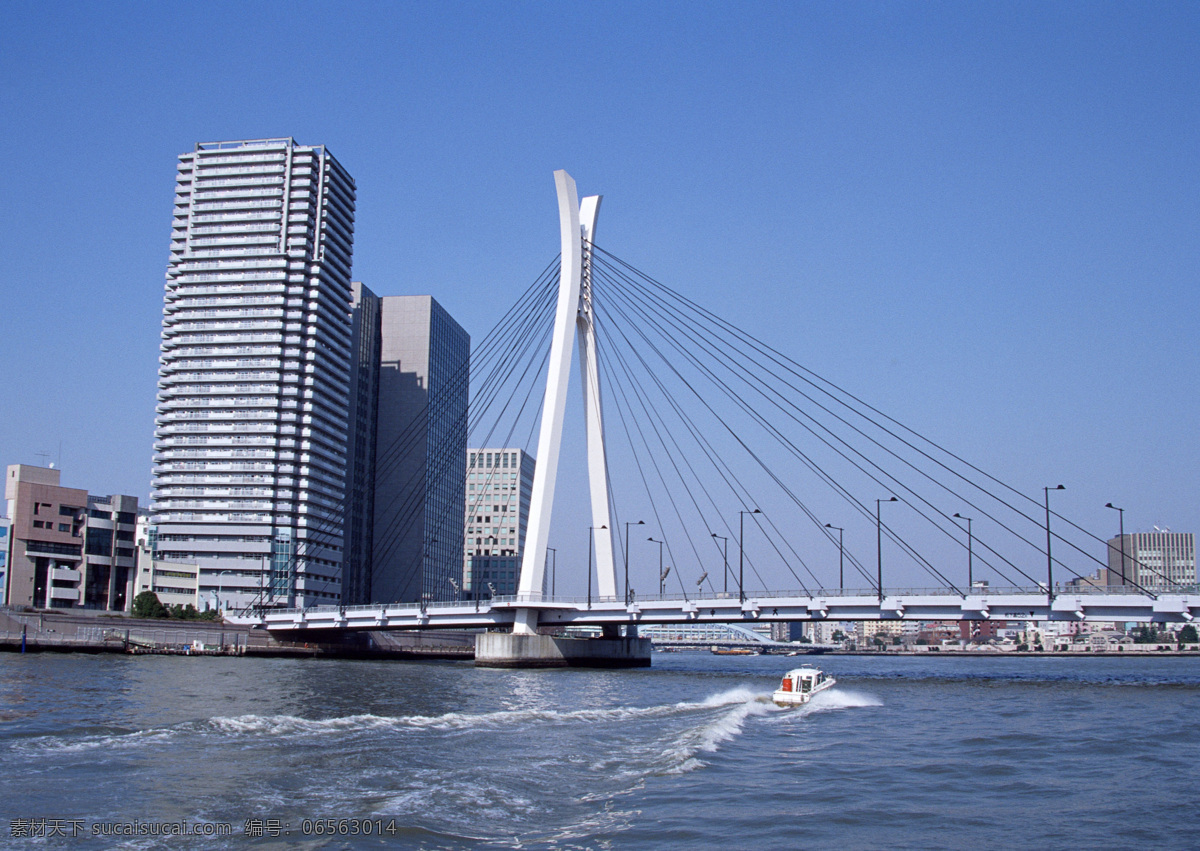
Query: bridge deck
1006, 604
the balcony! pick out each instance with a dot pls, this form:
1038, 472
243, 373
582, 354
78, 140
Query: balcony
64, 574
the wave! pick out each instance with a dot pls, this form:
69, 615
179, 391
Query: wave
729, 711
841, 698
254, 725
682, 755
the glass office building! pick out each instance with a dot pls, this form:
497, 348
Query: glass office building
409, 438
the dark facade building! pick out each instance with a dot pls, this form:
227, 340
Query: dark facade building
408, 449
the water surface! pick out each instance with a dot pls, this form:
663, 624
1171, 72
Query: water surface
907, 752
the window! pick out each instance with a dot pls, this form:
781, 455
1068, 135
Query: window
64, 527
67, 511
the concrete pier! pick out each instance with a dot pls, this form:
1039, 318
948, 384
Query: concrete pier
505, 650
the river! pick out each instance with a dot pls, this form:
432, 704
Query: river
909, 752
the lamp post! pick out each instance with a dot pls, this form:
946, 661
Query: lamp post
591, 532
627, 525
660, 561
425, 565
970, 582
553, 568
1121, 511
454, 585
742, 553
841, 555
221, 587
879, 545
1049, 560
725, 548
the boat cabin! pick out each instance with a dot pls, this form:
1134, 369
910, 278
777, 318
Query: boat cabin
802, 680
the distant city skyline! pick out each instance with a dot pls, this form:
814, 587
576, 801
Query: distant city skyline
979, 219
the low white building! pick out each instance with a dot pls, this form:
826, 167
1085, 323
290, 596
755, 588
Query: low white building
176, 583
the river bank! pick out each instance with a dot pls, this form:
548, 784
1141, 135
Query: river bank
59, 632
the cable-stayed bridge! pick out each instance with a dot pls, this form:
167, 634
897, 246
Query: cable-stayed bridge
700, 434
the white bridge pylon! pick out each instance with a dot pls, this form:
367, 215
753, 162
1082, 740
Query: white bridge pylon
577, 224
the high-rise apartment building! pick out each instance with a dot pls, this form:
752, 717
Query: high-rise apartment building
499, 487
1158, 559
408, 446
253, 391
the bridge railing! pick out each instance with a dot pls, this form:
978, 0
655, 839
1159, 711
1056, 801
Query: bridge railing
509, 601
990, 591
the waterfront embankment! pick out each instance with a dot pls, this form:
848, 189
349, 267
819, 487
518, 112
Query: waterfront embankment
33, 631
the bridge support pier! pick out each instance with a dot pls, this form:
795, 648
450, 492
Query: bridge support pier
516, 650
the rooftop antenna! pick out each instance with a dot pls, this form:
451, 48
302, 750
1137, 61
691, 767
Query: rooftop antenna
44, 456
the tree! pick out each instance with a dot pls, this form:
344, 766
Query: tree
1188, 635
1145, 635
147, 605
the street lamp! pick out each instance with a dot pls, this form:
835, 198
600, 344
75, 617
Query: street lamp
879, 545
221, 587
1049, 560
970, 583
454, 585
1122, 513
742, 553
553, 568
425, 562
627, 525
661, 575
725, 542
591, 530
841, 555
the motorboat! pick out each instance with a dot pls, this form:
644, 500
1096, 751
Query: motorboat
800, 684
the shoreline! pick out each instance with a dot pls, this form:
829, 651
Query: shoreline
105, 633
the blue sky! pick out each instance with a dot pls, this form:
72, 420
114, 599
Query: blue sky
981, 218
